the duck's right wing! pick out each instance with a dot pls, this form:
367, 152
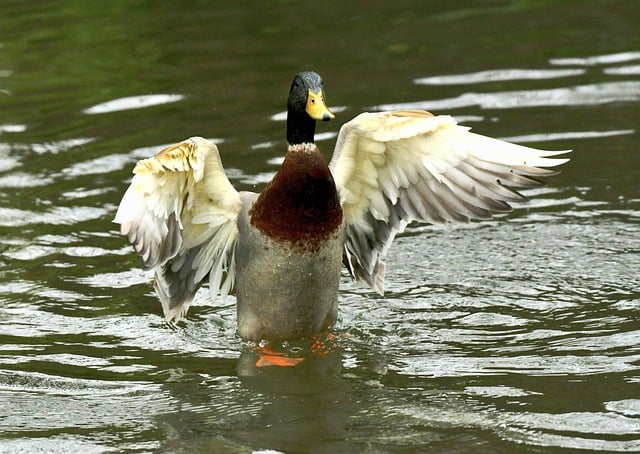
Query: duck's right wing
180, 214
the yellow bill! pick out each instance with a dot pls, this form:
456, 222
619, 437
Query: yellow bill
316, 107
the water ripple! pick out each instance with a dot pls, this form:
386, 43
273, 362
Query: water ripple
630, 70
496, 75
63, 404
607, 59
133, 102
579, 95
15, 217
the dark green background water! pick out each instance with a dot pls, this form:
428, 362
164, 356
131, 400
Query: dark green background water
517, 334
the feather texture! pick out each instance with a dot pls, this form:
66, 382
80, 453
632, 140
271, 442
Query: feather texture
392, 168
180, 214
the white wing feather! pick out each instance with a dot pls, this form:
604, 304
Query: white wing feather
392, 168
180, 214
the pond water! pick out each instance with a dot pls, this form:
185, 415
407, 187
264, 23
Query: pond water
520, 333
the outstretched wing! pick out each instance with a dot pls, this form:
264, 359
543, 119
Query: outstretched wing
392, 168
180, 213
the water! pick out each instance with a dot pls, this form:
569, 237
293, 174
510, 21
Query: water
515, 334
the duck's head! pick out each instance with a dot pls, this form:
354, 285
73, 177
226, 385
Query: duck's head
305, 106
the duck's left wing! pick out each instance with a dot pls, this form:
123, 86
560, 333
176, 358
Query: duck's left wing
180, 214
392, 168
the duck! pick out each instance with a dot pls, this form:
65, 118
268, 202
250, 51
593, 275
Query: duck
282, 250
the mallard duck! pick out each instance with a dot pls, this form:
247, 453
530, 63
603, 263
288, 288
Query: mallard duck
283, 248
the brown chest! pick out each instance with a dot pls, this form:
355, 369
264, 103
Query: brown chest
301, 204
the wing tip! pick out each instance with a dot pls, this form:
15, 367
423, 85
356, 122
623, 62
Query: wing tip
176, 314
173, 310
